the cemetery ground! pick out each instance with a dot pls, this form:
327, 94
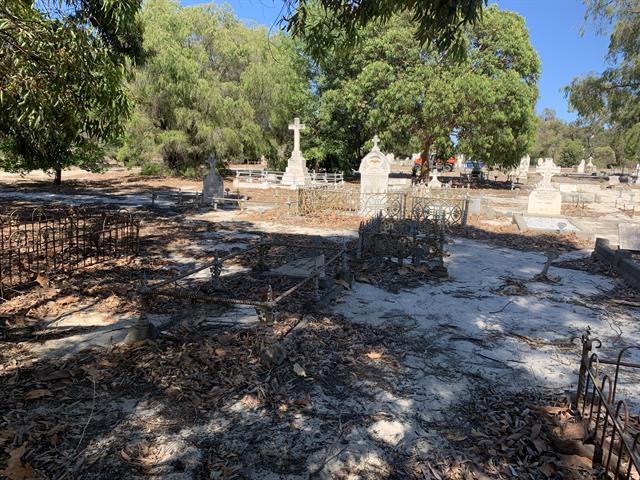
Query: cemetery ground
402, 375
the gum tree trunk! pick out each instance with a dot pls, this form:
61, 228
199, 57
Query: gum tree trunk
57, 179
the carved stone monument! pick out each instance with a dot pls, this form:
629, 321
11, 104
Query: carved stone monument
546, 199
212, 183
296, 173
374, 180
434, 182
590, 166
581, 167
521, 172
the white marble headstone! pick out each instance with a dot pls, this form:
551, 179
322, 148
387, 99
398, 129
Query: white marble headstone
374, 179
546, 199
434, 182
580, 168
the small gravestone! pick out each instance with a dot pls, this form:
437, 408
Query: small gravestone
614, 180
434, 182
629, 234
546, 199
637, 173
374, 180
581, 166
212, 184
522, 170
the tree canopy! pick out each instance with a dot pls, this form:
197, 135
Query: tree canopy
416, 99
212, 84
61, 88
612, 97
331, 24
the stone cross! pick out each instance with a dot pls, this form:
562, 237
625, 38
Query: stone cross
296, 126
434, 183
376, 141
547, 169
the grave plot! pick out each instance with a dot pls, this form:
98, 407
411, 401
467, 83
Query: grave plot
42, 242
267, 275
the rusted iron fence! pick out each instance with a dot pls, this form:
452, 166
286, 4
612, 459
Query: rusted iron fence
450, 205
44, 241
212, 288
420, 239
610, 427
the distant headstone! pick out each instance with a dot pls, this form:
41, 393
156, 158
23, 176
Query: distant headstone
629, 234
296, 173
614, 180
374, 180
637, 174
212, 183
522, 170
581, 166
590, 166
434, 182
392, 158
546, 199
460, 161
263, 161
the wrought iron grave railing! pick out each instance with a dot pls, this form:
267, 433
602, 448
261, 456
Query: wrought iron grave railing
610, 426
44, 241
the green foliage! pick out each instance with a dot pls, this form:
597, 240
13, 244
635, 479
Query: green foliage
612, 97
551, 134
212, 84
61, 83
571, 153
340, 24
632, 144
416, 99
150, 169
603, 156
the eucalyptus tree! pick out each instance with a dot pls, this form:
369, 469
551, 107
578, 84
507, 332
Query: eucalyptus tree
210, 83
62, 72
418, 99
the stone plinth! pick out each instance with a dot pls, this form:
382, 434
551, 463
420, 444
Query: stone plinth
296, 173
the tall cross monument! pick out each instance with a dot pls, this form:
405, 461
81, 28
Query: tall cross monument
296, 173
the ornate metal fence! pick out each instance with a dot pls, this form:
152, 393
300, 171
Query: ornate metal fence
320, 200
610, 428
417, 239
51, 240
416, 203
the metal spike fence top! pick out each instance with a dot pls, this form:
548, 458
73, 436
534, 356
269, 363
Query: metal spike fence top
45, 241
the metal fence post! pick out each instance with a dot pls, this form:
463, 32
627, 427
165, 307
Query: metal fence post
587, 346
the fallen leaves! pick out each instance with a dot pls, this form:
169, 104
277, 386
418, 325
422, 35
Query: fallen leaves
37, 394
16, 470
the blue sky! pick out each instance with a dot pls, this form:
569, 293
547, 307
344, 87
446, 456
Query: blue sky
554, 26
